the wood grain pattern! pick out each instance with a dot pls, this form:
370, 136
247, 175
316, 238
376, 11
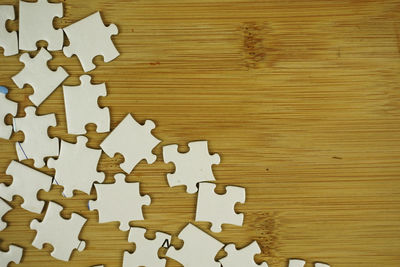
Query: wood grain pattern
300, 98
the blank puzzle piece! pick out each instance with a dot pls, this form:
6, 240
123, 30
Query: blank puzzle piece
14, 254
62, 234
301, 263
37, 74
89, 38
219, 209
146, 252
120, 201
36, 23
134, 141
26, 183
6, 107
8, 40
37, 144
199, 249
81, 106
4, 208
242, 257
191, 167
76, 167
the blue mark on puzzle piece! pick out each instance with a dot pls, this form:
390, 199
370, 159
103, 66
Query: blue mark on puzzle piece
3, 90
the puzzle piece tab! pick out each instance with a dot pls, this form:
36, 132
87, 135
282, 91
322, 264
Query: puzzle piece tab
76, 167
4, 208
6, 107
14, 254
219, 209
37, 144
89, 38
26, 183
191, 167
301, 263
134, 141
199, 249
37, 74
146, 252
81, 106
36, 23
120, 201
242, 257
8, 40
62, 234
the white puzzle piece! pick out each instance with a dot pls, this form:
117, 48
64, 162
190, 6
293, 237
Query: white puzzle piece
134, 141
318, 264
8, 40
120, 201
191, 167
26, 183
6, 107
199, 249
62, 234
89, 38
219, 209
76, 167
81, 106
296, 263
37, 144
36, 23
242, 257
4, 208
14, 254
37, 74
146, 251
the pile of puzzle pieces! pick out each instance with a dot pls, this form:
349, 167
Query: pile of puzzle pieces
76, 164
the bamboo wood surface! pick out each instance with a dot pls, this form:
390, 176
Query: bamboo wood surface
300, 98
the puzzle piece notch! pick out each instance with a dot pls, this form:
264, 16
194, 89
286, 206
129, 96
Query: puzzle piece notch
14, 254
81, 106
4, 208
37, 74
6, 107
191, 167
62, 234
199, 249
90, 38
219, 209
26, 183
8, 40
120, 201
301, 263
37, 144
134, 141
146, 252
32, 29
242, 257
76, 166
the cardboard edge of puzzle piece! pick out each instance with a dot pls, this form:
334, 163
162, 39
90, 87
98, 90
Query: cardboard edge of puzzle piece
242, 257
14, 254
6, 107
8, 40
4, 208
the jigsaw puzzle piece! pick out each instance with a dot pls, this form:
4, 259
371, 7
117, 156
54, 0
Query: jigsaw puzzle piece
36, 23
120, 201
134, 141
318, 264
146, 252
37, 144
4, 208
62, 234
8, 40
81, 106
37, 74
26, 183
296, 263
76, 167
242, 257
219, 209
199, 249
6, 107
191, 167
14, 254
90, 38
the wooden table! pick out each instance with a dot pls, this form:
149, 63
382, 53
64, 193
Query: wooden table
300, 98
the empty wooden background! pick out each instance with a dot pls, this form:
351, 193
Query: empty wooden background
300, 98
